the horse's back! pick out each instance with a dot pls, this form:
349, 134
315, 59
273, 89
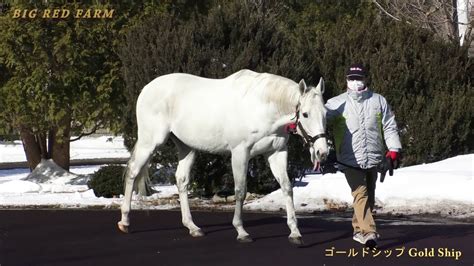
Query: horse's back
176, 82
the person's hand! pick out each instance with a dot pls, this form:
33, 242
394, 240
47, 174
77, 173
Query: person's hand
395, 157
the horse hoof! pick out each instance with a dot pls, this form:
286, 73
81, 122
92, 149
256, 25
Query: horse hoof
245, 239
296, 240
123, 228
197, 233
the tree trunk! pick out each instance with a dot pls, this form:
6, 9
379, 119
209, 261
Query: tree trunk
41, 140
59, 144
57, 147
31, 147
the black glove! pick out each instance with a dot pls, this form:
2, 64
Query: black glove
386, 165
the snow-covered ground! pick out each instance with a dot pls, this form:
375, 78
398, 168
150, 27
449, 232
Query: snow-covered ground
444, 187
85, 148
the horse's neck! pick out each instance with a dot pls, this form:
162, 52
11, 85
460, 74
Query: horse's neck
285, 100
283, 121
287, 110
286, 106
271, 89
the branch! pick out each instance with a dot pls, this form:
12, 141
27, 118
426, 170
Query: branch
467, 36
430, 12
385, 11
85, 134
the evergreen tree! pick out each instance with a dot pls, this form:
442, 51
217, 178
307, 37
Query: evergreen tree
61, 78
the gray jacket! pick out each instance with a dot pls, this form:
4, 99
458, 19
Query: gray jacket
360, 123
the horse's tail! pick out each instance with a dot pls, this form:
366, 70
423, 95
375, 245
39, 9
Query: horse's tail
142, 182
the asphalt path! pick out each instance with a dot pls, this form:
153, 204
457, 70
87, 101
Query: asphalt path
78, 237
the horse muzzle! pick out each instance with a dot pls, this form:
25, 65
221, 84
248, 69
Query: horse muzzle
322, 154
319, 153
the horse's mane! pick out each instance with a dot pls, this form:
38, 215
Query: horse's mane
282, 92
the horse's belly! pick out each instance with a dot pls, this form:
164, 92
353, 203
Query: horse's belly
207, 132
215, 138
206, 135
201, 139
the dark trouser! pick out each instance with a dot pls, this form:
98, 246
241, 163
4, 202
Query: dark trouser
362, 183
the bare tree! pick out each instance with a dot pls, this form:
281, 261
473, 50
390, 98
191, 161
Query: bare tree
448, 19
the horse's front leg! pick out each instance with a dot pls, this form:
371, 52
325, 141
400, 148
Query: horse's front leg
240, 158
278, 164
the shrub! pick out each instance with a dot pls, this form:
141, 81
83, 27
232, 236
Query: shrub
164, 175
107, 182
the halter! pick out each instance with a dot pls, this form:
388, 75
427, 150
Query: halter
306, 137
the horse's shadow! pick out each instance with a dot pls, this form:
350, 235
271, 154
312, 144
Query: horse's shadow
339, 237
249, 224
309, 227
213, 228
421, 232
227, 226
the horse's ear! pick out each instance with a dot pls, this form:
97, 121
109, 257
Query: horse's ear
320, 86
303, 87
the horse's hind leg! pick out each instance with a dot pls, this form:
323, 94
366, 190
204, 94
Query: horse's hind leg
278, 163
142, 151
183, 171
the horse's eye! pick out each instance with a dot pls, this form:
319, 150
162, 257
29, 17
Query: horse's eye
305, 115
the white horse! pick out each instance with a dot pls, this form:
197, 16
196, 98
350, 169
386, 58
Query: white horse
245, 114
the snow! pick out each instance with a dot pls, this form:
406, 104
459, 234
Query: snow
19, 186
85, 148
444, 188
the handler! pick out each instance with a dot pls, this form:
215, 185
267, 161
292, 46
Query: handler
362, 121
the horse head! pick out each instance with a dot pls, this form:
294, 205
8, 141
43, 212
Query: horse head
311, 125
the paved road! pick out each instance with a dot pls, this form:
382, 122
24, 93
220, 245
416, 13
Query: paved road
90, 238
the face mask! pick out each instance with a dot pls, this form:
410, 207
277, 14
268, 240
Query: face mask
356, 85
